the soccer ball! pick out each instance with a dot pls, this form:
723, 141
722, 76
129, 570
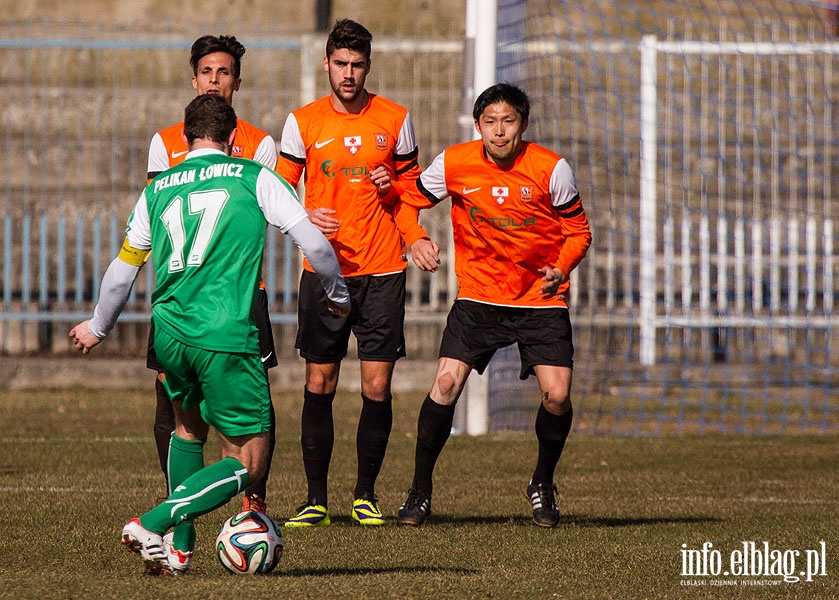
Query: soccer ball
249, 543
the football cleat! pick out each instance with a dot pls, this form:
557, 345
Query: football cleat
415, 509
543, 500
309, 515
148, 545
366, 511
255, 503
177, 559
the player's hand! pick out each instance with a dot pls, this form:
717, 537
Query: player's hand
426, 254
337, 310
553, 278
381, 178
82, 338
320, 218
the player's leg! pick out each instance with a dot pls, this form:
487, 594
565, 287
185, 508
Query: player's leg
472, 334
186, 457
547, 350
379, 329
434, 426
322, 340
243, 421
256, 494
374, 426
164, 417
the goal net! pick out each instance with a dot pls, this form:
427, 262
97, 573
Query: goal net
703, 139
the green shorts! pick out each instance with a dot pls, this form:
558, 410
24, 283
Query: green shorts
230, 388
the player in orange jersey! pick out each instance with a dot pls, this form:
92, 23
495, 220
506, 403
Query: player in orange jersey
216, 66
519, 230
356, 148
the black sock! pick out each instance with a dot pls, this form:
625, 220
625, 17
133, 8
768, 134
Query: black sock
260, 487
164, 425
433, 429
551, 432
374, 427
316, 439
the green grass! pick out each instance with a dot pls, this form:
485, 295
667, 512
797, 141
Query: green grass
75, 464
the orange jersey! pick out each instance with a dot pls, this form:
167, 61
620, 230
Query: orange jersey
507, 222
168, 147
338, 151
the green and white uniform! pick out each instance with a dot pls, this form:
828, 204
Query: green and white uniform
205, 222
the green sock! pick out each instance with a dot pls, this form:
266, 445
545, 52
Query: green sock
206, 490
186, 457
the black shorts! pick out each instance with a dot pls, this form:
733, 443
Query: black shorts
263, 324
377, 319
474, 331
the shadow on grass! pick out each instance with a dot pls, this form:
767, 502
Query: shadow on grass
371, 571
583, 521
564, 520
568, 520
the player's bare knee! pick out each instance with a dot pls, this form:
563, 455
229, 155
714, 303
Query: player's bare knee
377, 388
557, 403
446, 384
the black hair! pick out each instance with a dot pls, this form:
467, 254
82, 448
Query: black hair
207, 44
503, 92
209, 116
350, 35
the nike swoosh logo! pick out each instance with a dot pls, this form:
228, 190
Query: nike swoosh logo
465, 191
177, 154
267, 356
320, 145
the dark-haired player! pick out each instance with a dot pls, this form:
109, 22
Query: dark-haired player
519, 230
216, 63
204, 222
356, 149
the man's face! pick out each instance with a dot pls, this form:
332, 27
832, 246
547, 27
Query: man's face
215, 76
347, 71
501, 128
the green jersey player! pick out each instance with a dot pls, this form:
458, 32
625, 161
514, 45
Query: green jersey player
204, 223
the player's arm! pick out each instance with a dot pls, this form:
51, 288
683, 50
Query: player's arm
320, 254
391, 182
266, 152
115, 288
292, 159
290, 166
281, 208
426, 191
118, 280
572, 217
158, 158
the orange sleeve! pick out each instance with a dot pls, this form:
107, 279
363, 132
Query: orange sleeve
290, 170
406, 213
577, 234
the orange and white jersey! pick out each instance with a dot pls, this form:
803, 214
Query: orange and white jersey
507, 222
168, 147
338, 151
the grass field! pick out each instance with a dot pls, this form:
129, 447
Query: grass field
75, 464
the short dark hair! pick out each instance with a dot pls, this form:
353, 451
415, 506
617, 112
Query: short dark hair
350, 35
209, 116
207, 44
503, 92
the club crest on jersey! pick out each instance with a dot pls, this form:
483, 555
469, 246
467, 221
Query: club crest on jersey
500, 194
381, 141
237, 151
526, 193
352, 143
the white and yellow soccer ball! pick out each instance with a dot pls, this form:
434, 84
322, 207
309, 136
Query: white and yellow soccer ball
249, 543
